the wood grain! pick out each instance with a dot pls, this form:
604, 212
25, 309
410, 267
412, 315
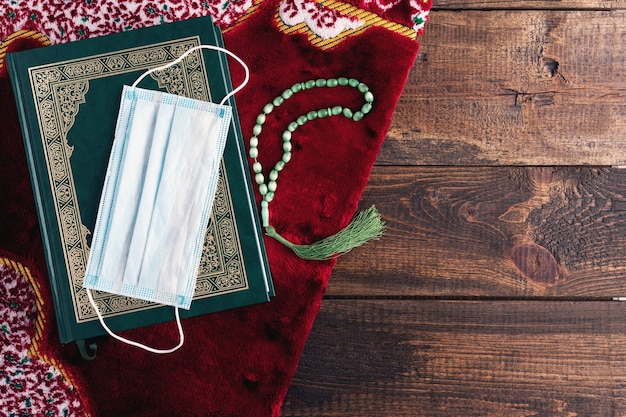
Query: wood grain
514, 88
530, 4
489, 295
444, 358
492, 232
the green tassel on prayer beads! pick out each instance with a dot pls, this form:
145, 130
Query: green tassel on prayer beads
366, 225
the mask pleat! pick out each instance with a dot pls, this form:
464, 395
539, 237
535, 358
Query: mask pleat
136, 142
147, 196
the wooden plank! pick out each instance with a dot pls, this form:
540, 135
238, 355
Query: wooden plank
441, 358
514, 88
492, 232
529, 4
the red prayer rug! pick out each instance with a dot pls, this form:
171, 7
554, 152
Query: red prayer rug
238, 362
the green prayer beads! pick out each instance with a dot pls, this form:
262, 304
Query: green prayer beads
268, 189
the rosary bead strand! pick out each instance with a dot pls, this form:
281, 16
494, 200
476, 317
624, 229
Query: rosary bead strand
367, 224
268, 190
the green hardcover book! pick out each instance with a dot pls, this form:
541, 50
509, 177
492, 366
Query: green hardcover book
68, 99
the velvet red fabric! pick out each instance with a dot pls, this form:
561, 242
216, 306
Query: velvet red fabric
238, 362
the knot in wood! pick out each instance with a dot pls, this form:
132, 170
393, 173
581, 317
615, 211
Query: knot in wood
535, 262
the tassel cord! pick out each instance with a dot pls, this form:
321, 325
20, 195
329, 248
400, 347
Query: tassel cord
366, 226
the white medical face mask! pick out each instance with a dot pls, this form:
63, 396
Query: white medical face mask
157, 197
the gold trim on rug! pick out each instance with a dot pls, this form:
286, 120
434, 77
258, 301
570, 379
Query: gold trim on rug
40, 322
33, 34
255, 5
369, 19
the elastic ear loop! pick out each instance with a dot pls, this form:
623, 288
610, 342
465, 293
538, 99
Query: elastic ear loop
210, 47
176, 312
132, 342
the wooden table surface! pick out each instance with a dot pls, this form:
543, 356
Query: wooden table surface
493, 291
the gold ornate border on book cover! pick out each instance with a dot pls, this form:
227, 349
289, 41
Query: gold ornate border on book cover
59, 90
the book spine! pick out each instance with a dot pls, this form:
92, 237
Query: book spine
19, 85
237, 134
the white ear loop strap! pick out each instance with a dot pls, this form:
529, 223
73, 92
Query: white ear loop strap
226, 97
132, 342
190, 50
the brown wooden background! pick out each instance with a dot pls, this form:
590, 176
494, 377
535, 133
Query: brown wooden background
492, 293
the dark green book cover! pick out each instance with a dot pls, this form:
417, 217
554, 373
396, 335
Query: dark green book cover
68, 99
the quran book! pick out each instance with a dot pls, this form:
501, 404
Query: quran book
68, 99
